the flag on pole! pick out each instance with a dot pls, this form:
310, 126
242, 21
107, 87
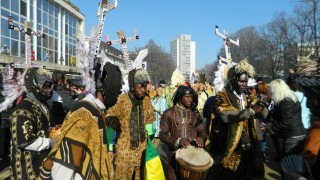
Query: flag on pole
193, 78
153, 168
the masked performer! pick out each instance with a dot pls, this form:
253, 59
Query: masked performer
234, 143
182, 125
81, 148
30, 140
131, 118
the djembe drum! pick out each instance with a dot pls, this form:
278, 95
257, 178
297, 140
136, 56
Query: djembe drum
192, 163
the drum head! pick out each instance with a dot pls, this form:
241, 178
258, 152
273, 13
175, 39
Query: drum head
194, 157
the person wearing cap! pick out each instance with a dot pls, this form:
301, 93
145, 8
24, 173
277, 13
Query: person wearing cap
81, 150
132, 119
181, 125
30, 122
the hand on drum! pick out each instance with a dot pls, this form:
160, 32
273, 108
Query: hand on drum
184, 142
199, 142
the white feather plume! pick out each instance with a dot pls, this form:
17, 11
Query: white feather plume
220, 77
12, 87
87, 52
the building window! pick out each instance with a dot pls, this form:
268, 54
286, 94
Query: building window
23, 8
45, 5
39, 16
15, 6
39, 4
45, 19
5, 31
5, 14
14, 48
22, 49
66, 27
5, 3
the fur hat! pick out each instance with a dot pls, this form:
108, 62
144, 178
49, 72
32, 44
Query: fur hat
309, 75
138, 77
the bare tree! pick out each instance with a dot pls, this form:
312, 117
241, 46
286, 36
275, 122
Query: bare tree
158, 61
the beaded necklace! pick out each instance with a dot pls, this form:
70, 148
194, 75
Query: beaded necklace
184, 123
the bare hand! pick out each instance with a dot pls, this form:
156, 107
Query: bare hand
185, 142
111, 155
78, 91
262, 126
199, 141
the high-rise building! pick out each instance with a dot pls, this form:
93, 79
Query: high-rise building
62, 21
183, 51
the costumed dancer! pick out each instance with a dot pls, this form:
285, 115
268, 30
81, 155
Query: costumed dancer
30, 122
81, 150
234, 143
159, 106
181, 125
132, 119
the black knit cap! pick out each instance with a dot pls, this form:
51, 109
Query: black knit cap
109, 84
183, 90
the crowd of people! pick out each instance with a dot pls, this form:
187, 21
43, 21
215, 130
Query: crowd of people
58, 130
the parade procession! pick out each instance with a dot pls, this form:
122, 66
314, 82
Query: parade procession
78, 102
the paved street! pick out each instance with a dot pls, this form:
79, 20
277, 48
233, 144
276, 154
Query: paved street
272, 167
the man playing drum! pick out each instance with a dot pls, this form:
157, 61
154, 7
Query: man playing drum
181, 125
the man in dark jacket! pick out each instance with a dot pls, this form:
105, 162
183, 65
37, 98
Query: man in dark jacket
182, 125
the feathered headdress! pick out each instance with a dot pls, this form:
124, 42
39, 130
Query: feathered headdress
202, 78
222, 75
177, 78
87, 52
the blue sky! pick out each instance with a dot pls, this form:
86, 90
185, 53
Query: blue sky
163, 20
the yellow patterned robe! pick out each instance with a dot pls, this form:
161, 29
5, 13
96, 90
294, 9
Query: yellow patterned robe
82, 144
125, 156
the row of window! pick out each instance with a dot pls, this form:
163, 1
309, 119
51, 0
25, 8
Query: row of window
12, 42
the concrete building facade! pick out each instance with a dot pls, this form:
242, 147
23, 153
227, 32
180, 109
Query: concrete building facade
183, 51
